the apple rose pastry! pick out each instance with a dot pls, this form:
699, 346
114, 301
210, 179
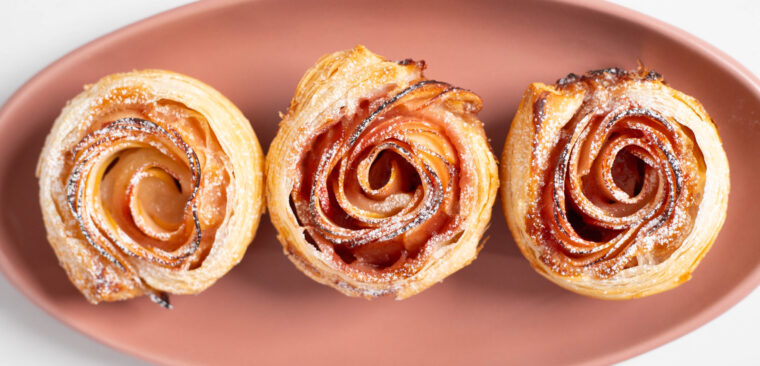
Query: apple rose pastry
615, 185
151, 183
381, 182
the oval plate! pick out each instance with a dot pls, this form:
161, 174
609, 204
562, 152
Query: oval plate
497, 310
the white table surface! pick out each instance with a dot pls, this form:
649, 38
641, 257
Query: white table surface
36, 33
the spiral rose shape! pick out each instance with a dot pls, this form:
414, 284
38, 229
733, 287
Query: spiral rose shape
390, 185
147, 195
138, 186
626, 187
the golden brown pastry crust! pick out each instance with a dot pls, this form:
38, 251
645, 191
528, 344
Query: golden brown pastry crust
151, 182
379, 181
614, 185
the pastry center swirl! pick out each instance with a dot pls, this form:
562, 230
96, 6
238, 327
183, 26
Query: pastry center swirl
378, 186
134, 188
619, 191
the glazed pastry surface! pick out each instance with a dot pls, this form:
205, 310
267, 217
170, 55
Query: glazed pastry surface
614, 184
151, 182
379, 181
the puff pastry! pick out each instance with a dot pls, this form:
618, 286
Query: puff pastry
379, 181
614, 184
151, 182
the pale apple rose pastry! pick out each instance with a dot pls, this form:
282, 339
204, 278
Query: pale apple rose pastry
151, 183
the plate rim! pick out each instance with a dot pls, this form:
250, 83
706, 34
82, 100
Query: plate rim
704, 49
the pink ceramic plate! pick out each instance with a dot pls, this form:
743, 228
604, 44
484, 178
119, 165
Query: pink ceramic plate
497, 310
